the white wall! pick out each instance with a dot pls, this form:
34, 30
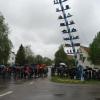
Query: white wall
86, 61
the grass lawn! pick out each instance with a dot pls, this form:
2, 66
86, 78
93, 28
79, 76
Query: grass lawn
71, 81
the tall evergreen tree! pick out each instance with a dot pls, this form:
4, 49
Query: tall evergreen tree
5, 43
20, 56
95, 50
60, 56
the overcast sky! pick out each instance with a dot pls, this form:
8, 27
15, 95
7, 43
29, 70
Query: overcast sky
34, 22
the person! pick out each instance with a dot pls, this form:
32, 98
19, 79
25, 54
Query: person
53, 71
45, 71
80, 72
3, 72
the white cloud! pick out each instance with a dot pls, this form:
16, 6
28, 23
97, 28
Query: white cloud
35, 22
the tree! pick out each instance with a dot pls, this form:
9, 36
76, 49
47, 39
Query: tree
60, 56
38, 59
30, 59
5, 43
94, 52
47, 61
28, 51
20, 56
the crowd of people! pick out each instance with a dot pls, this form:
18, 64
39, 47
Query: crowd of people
23, 72
41, 70
76, 73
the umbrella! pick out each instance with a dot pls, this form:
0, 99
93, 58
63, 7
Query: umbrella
63, 64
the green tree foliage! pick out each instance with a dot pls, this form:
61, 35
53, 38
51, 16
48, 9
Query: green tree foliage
39, 59
5, 43
26, 56
95, 50
20, 56
42, 60
30, 59
47, 61
60, 56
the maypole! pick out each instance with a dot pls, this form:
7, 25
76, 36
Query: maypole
71, 38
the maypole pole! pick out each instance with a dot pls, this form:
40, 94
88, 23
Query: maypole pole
68, 30
71, 37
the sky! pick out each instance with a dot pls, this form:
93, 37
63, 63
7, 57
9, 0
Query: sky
34, 23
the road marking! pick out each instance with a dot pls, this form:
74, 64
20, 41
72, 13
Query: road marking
7, 93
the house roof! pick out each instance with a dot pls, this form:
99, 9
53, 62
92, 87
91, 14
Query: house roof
85, 48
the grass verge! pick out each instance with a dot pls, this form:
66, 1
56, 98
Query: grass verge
71, 81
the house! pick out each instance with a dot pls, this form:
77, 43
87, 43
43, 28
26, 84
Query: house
83, 58
87, 62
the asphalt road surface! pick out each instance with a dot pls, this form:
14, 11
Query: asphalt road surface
43, 89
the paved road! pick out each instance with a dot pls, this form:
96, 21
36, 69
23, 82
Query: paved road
43, 89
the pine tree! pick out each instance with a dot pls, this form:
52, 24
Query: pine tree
20, 56
60, 56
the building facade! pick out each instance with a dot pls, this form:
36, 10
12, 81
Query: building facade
87, 62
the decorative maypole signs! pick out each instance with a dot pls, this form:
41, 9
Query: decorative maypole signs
69, 32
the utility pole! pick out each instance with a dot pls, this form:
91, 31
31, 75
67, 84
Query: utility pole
69, 30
